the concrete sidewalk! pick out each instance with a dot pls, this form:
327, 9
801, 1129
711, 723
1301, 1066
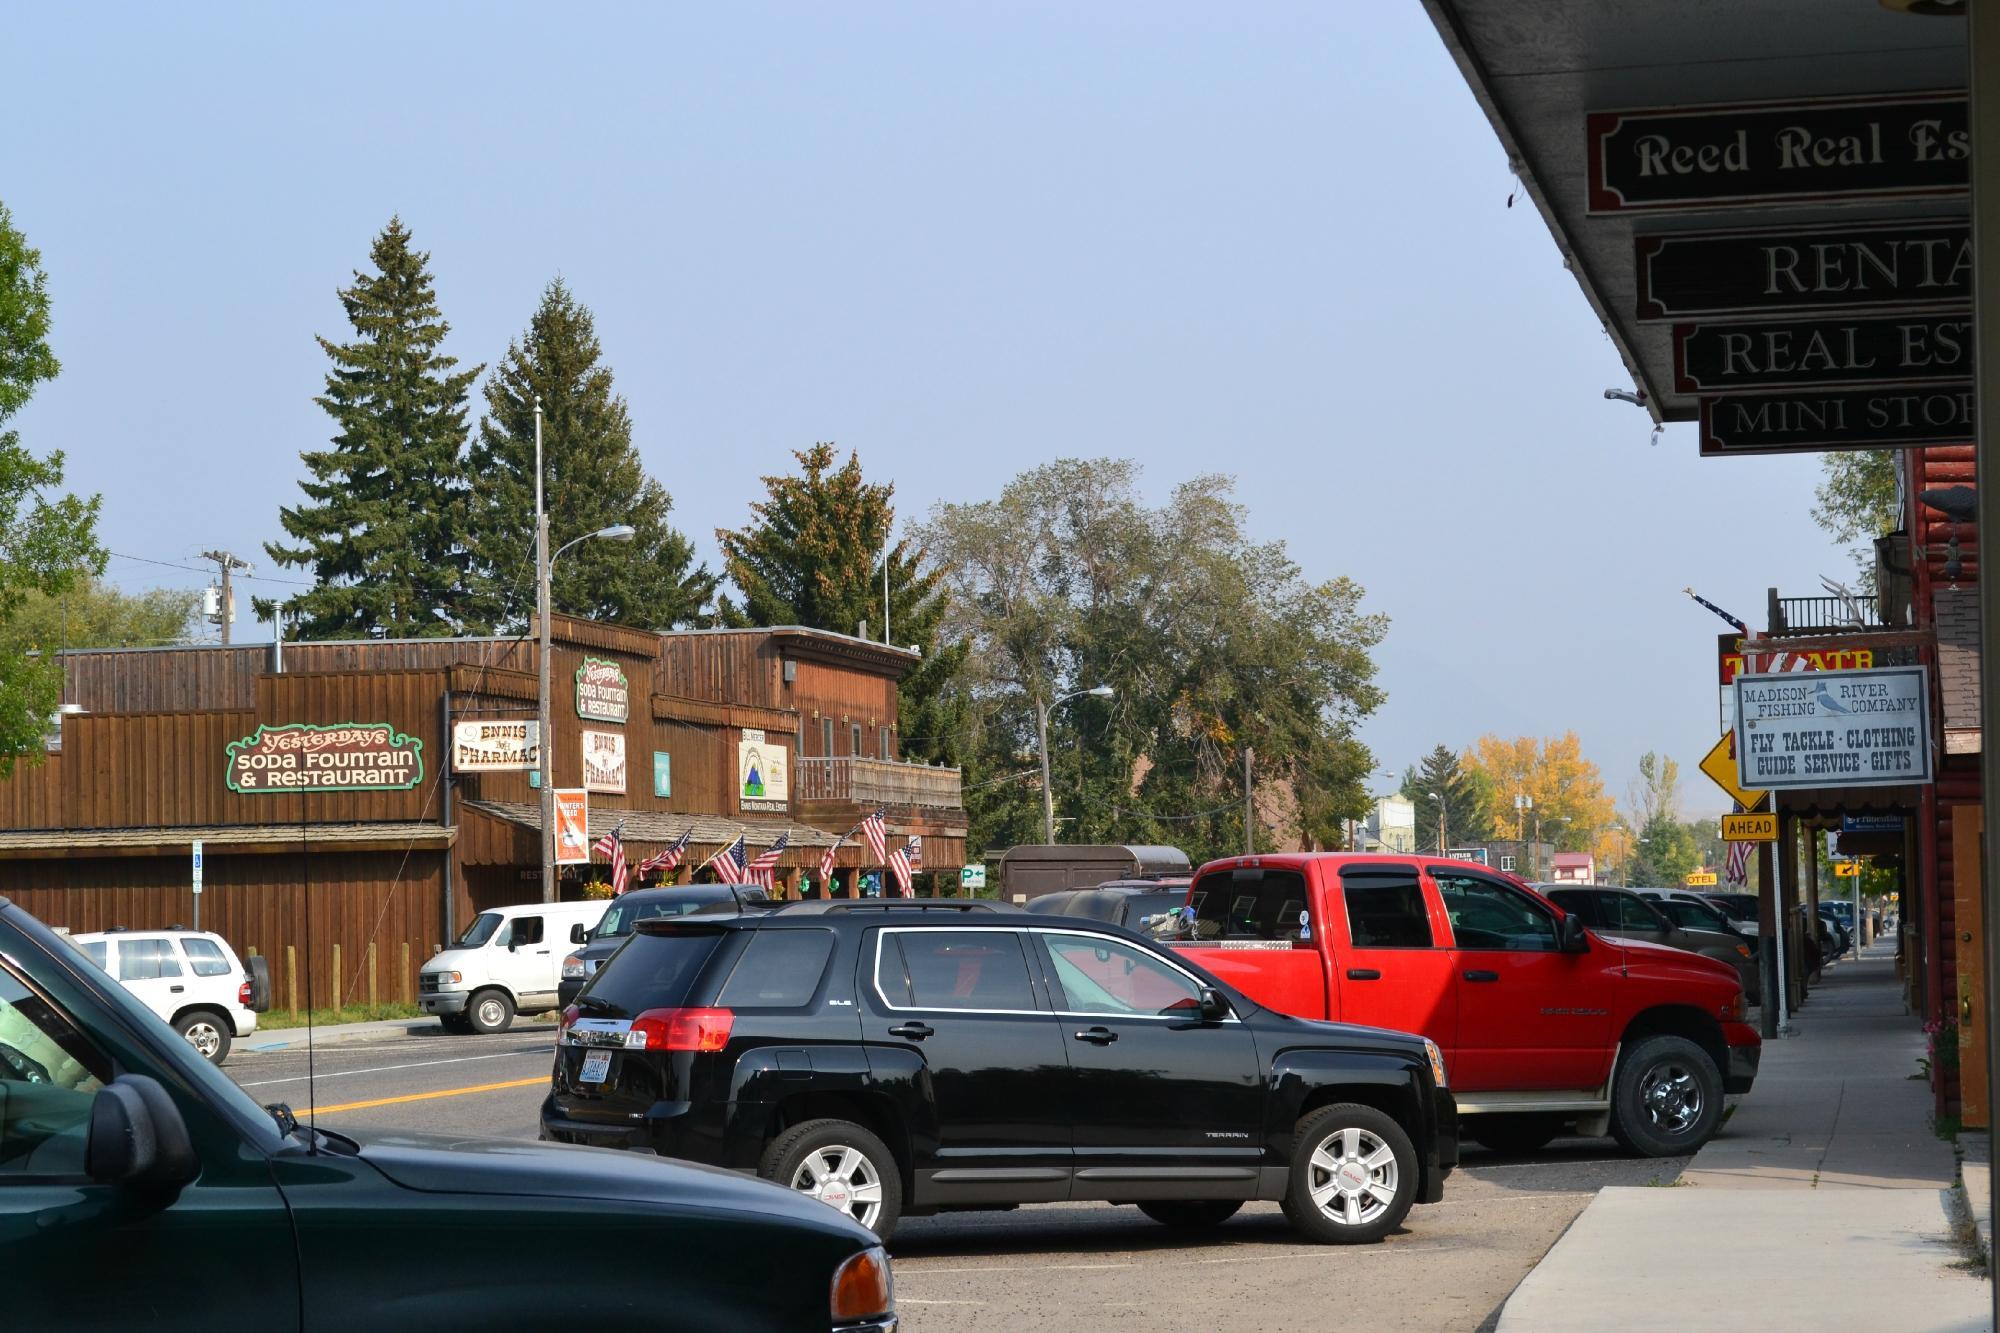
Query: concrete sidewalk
294, 1039
1826, 1197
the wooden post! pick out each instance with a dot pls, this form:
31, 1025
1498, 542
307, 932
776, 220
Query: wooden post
336, 976
372, 998
403, 969
292, 978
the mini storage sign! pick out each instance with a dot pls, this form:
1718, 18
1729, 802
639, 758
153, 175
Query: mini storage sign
1833, 729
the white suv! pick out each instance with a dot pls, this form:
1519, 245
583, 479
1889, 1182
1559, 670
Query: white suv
190, 978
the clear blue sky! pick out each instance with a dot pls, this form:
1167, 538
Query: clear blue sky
1270, 240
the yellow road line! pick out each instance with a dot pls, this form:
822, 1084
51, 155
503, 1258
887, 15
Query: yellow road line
422, 1096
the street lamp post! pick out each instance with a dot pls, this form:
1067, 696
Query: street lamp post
1042, 711
545, 564
1438, 796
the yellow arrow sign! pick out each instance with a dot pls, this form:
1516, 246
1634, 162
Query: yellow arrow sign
1847, 868
1720, 765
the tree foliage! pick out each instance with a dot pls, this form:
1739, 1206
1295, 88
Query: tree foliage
1567, 789
1856, 500
383, 528
48, 541
593, 479
1665, 852
1656, 791
1440, 778
93, 614
812, 555
1212, 643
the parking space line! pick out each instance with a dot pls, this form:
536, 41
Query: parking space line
421, 1096
387, 1069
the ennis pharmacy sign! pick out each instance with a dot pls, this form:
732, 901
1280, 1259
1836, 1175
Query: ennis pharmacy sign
349, 756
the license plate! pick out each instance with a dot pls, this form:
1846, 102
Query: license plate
596, 1066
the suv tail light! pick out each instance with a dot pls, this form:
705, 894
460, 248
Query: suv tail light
567, 1021
243, 995
681, 1030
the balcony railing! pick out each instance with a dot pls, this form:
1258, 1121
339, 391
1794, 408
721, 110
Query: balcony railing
878, 782
1796, 616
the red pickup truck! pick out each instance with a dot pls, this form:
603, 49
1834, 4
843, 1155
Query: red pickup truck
1544, 1024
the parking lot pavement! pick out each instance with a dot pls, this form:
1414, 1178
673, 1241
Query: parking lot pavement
1055, 1266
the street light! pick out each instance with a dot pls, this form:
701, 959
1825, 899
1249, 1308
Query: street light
544, 567
1042, 712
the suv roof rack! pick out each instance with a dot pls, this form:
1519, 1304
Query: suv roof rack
820, 906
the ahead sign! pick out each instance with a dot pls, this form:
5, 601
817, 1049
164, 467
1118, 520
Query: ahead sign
1759, 827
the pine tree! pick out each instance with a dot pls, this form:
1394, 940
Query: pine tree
1464, 801
383, 529
812, 555
593, 479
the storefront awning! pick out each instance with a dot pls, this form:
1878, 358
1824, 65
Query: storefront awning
643, 827
225, 840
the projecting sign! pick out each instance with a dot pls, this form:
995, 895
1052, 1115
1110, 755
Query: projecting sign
495, 747
1730, 660
1871, 823
762, 782
1803, 270
602, 694
1847, 869
1720, 766
1833, 729
572, 805
1792, 423
1909, 351
604, 761
1701, 879
1759, 827
348, 756
1703, 157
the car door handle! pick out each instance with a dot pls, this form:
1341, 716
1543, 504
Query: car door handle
914, 1031
175, 990
1477, 975
1097, 1036
1363, 974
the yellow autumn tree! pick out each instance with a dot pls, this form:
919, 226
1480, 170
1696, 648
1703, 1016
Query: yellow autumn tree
1567, 790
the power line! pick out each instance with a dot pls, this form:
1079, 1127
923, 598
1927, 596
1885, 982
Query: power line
197, 569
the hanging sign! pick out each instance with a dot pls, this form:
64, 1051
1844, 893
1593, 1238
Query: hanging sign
1833, 729
1871, 823
1909, 351
1705, 157
1794, 423
1803, 270
495, 747
1759, 827
762, 782
348, 756
602, 694
604, 761
572, 806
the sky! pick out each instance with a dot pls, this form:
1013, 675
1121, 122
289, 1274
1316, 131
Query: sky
1266, 240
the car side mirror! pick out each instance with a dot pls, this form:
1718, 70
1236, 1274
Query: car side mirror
1214, 1008
1570, 934
578, 933
137, 1137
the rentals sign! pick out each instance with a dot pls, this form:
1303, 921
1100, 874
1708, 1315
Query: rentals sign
1803, 270
348, 756
1839, 729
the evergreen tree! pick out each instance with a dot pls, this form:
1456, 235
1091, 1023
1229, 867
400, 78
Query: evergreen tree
383, 526
812, 555
48, 542
1440, 774
592, 477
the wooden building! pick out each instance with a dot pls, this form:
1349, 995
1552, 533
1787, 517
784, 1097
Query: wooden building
321, 788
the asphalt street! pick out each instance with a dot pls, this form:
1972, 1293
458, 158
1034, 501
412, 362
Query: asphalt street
1054, 1266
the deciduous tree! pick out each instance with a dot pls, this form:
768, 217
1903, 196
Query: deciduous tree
1856, 501
1569, 802
93, 614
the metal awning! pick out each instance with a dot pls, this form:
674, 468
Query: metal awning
645, 827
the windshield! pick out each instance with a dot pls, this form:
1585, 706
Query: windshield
620, 917
480, 931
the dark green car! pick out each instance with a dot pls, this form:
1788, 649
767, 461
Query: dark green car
141, 1188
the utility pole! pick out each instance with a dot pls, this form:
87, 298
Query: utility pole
1042, 747
1249, 807
548, 792
885, 587
226, 563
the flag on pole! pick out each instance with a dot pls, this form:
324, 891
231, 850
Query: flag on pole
764, 870
905, 859
668, 860
1737, 871
613, 846
1741, 628
728, 862
826, 859
876, 832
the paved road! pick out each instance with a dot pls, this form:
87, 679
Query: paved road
1056, 1266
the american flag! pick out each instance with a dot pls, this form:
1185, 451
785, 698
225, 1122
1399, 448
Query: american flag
905, 859
764, 870
728, 862
666, 861
826, 860
876, 832
1737, 870
613, 846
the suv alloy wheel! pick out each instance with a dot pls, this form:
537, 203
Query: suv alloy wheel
1354, 1176
206, 1031
1667, 1099
842, 1165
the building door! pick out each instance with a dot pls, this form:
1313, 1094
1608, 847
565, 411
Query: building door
1395, 968
1967, 829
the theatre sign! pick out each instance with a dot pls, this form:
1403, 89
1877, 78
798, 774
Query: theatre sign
1833, 729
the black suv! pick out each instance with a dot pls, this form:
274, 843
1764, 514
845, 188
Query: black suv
609, 934
906, 1057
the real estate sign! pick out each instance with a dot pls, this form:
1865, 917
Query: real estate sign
1833, 729
762, 780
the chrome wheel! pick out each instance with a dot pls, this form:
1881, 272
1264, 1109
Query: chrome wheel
205, 1037
491, 1012
1352, 1177
1672, 1097
842, 1177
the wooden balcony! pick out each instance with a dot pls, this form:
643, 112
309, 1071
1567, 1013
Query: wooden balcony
881, 782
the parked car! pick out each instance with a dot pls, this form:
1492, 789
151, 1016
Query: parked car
1151, 907
615, 926
901, 1057
122, 1147
1740, 908
508, 962
1637, 914
1635, 1039
1693, 911
191, 978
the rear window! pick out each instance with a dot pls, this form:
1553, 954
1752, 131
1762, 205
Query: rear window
778, 969
650, 972
1250, 905
1385, 910
954, 969
147, 960
98, 951
206, 957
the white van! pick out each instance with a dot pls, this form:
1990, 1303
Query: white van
508, 961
